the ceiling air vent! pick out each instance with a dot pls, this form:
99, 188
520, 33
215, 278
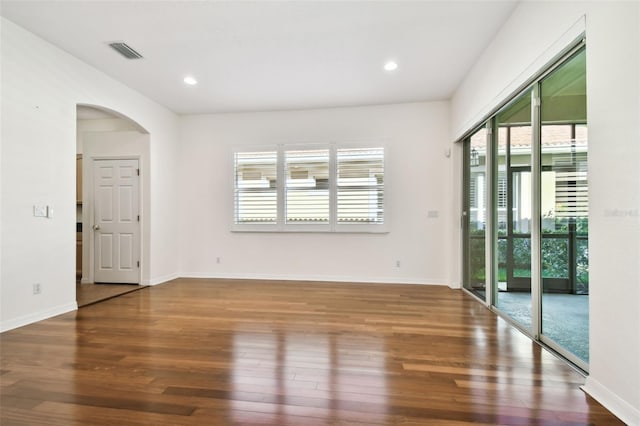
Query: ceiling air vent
125, 50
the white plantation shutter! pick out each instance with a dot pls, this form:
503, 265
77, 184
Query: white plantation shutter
360, 185
473, 185
304, 188
307, 186
572, 188
502, 189
256, 197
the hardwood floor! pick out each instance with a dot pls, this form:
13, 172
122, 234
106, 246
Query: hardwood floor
216, 352
87, 294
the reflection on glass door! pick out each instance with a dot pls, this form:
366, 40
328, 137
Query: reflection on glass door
564, 209
475, 212
512, 294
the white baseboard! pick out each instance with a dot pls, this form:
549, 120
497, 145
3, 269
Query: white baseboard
455, 286
161, 279
612, 402
37, 316
322, 278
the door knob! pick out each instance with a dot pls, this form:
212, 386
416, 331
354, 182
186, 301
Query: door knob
96, 227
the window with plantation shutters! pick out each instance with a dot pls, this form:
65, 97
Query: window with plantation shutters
309, 188
255, 187
360, 185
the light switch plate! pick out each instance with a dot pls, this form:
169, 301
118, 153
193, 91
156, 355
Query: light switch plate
40, 211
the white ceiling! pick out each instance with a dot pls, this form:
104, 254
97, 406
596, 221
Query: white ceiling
273, 55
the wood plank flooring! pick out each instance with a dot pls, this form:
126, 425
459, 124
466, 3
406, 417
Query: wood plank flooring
217, 352
87, 294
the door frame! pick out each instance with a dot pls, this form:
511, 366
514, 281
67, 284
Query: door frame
90, 205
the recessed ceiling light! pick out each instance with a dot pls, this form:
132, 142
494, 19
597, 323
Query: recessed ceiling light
190, 80
390, 66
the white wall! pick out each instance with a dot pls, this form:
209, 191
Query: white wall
416, 136
41, 86
533, 34
102, 125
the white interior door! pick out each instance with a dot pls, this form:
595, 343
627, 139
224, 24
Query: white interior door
117, 222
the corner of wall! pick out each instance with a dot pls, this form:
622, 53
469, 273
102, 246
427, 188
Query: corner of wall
160, 280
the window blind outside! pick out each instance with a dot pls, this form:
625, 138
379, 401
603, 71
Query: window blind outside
572, 187
360, 185
256, 197
474, 185
307, 187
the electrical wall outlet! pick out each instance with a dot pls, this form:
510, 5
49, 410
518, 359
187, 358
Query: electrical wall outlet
36, 288
397, 263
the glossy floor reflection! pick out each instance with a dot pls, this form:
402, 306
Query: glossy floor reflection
87, 294
194, 352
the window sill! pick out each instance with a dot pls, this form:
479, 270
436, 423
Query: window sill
311, 229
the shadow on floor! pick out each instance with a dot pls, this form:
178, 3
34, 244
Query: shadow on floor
88, 294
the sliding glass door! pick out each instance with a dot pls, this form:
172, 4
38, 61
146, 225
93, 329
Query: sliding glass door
475, 213
525, 210
564, 209
512, 294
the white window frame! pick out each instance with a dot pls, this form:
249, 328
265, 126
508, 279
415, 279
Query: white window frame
282, 208
254, 227
332, 226
361, 227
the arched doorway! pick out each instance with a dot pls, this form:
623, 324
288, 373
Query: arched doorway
112, 204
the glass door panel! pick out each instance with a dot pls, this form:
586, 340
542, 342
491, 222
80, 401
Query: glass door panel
543, 205
512, 294
475, 213
564, 209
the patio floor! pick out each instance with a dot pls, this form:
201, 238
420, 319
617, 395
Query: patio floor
565, 317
